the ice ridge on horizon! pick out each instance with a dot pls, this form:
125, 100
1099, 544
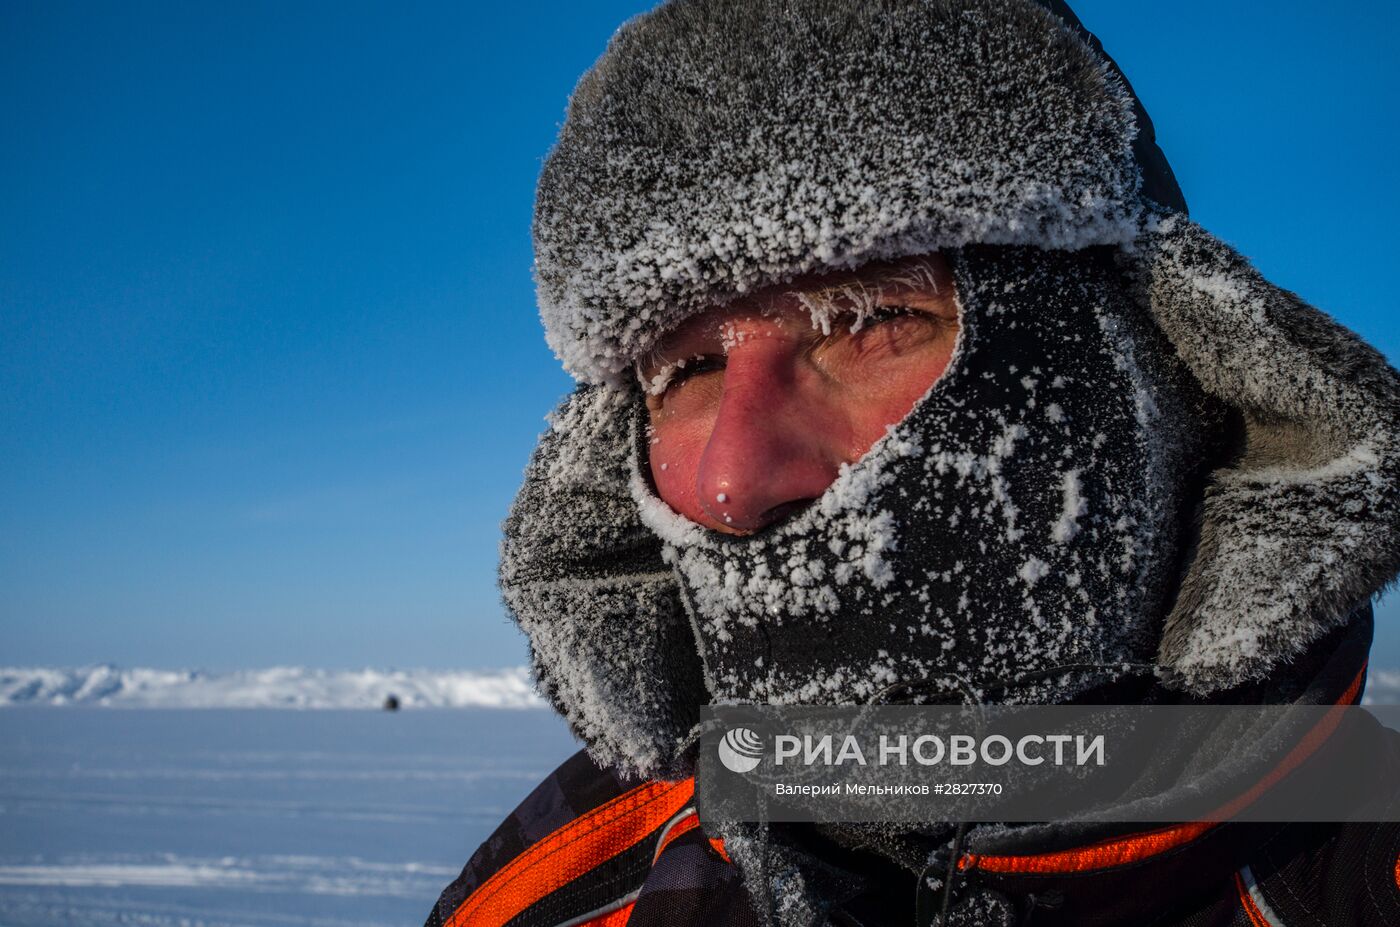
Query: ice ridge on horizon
302, 687
277, 687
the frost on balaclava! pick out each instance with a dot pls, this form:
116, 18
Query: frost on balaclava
1024, 516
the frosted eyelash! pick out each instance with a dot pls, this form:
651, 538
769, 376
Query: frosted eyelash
661, 380
861, 300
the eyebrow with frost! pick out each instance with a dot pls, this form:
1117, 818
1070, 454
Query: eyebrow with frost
755, 406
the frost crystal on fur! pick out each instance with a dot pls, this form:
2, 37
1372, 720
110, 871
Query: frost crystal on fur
721, 145
1304, 525
611, 647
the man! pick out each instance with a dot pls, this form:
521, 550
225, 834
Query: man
904, 377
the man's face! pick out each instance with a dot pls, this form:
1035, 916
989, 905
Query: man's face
755, 406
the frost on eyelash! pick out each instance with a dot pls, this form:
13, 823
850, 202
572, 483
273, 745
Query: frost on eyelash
666, 370
660, 381
859, 300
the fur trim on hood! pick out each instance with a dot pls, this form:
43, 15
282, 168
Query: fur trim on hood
1304, 525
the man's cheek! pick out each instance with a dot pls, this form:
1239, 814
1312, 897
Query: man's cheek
675, 484
675, 465
894, 393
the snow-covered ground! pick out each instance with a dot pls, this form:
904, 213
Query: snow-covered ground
298, 687
253, 818
262, 818
280, 687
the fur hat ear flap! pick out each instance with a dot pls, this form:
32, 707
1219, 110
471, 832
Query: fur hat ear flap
1302, 525
611, 644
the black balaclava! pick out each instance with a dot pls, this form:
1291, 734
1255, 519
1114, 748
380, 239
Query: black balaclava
1024, 516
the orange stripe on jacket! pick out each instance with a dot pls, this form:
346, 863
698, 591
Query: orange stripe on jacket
1251, 910
682, 827
571, 851
685, 826
1115, 851
1300, 752
1119, 851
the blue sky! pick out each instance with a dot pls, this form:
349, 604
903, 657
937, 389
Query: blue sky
269, 360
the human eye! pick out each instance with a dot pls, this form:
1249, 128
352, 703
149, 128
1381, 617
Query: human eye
887, 325
878, 335
881, 315
666, 376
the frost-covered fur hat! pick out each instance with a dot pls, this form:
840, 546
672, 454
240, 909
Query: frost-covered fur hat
723, 145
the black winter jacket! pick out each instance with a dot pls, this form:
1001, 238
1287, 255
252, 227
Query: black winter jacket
590, 848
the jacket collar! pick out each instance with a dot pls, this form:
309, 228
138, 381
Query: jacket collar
1077, 875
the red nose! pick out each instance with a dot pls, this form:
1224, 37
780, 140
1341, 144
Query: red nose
768, 454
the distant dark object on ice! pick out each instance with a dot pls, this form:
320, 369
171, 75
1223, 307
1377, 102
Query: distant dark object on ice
391, 703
